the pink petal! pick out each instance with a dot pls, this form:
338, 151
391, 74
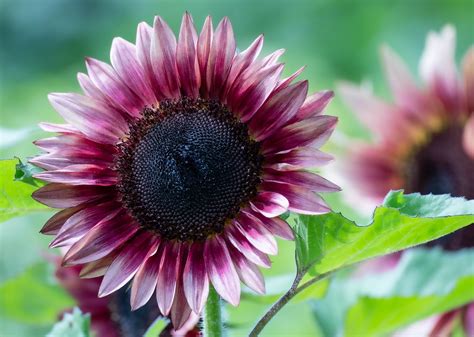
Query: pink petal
124, 59
220, 58
251, 90
270, 204
143, 43
163, 59
65, 142
62, 159
239, 241
195, 279
90, 89
438, 66
314, 131
307, 180
248, 272
107, 80
180, 311
272, 58
64, 196
101, 240
469, 319
84, 220
82, 174
221, 270
126, 264
372, 111
374, 170
314, 104
186, 58
94, 119
188, 327
302, 200
298, 159
284, 83
257, 234
203, 50
468, 136
276, 226
168, 276
63, 128
144, 282
402, 84
468, 76
445, 323
242, 61
278, 110
54, 224
98, 268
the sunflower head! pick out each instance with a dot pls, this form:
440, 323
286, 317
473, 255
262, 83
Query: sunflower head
424, 138
175, 163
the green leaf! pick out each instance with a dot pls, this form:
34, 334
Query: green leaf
327, 242
424, 282
377, 317
156, 328
73, 324
429, 205
15, 196
33, 297
25, 172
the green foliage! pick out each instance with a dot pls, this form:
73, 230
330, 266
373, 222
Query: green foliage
327, 242
16, 186
73, 324
430, 205
424, 282
25, 172
156, 328
377, 317
33, 297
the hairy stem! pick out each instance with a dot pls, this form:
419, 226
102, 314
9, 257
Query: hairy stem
278, 305
213, 315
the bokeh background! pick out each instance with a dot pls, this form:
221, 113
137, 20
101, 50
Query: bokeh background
43, 45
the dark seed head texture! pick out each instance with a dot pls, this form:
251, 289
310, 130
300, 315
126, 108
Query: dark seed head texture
442, 166
187, 167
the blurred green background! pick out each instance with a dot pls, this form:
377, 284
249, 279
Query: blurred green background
43, 45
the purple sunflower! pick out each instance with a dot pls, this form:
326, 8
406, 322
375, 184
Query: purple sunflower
424, 142
424, 139
176, 163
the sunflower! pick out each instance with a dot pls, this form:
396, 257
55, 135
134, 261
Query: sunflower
424, 142
176, 163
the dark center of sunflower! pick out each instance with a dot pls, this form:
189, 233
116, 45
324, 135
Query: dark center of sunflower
443, 167
187, 168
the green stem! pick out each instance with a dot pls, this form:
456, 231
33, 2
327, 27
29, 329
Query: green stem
213, 315
278, 305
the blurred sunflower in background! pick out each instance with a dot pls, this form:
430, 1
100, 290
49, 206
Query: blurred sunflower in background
424, 142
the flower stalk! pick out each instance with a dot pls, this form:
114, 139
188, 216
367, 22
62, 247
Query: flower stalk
213, 326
